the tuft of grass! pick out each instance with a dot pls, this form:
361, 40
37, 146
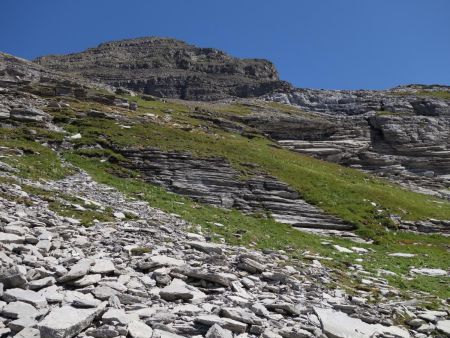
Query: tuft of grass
140, 251
438, 94
38, 161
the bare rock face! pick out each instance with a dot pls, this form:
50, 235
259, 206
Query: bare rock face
401, 134
214, 181
170, 68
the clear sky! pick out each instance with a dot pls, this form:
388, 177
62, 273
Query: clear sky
337, 44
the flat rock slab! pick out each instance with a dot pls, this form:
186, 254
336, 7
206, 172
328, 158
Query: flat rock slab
80, 269
117, 315
429, 272
138, 329
216, 331
208, 248
11, 238
165, 334
67, 321
102, 266
401, 254
28, 332
17, 310
444, 327
26, 296
226, 323
159, 261
178, 289
86, 280
339, 325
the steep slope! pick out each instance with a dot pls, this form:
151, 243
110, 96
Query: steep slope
170, 68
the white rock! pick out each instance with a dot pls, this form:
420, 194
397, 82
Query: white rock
401, 254
444, 327
78, 270
178, 289
28, 332
11, 238
339, 325
342, 249
26, 296
86, 280
138, 329
157, 333
118, 315
209, 248
102, 266
19, 310
119, 215
216, 331
67, 321
429, 272
75, 136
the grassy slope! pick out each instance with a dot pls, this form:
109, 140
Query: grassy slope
342, 191
345, 192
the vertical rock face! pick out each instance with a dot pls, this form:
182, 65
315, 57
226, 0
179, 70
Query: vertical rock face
170, 68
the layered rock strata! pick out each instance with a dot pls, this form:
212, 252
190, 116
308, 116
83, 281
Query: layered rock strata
213, 181
170, 68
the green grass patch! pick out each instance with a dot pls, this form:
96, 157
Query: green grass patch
37, 161
439, 94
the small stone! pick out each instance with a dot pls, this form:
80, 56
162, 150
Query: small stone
178, 289
216, 331
22, 323
401, 254
12, 277
225, 323
119, 316
102, 266
208, 248
138, 329
41, 283
80, 269
342, 249
86, 280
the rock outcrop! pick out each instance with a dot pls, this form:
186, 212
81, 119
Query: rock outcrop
170, 68
402, 134
213, 181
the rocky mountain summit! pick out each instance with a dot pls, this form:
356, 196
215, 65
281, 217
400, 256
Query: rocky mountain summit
123, 214
170, 68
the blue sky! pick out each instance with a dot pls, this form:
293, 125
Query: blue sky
337, 44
